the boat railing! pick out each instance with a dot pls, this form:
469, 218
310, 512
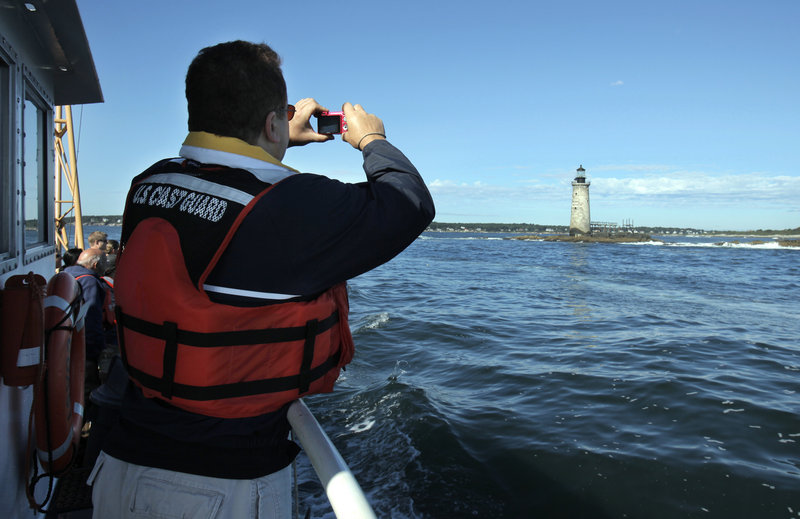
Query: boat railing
345, 495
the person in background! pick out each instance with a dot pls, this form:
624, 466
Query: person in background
103, 403
112, 247
87, 271
98, 240
70, 257
213, 433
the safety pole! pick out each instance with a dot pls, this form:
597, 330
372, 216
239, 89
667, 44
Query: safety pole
346, 497
66, 169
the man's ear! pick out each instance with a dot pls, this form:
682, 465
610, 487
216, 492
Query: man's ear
271, 128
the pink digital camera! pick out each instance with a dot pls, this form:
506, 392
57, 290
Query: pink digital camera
331, 122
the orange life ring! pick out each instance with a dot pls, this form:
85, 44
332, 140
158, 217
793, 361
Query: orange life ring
58, 395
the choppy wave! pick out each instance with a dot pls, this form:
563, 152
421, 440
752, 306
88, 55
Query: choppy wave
510, 379
370, 322
756, 244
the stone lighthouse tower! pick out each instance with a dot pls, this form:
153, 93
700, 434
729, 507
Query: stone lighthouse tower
579, 221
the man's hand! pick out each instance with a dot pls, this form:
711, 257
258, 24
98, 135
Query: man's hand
300, 130
362, 127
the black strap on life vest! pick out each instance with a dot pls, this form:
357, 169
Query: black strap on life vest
170, 358
303, 380
173, 336
229, 338
120, 334
238, 389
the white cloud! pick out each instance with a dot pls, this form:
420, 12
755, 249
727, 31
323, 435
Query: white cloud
652, 193
649, 185
618, 82
688, 188
492, 192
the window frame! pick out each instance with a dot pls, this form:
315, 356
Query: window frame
45, 244
8, 178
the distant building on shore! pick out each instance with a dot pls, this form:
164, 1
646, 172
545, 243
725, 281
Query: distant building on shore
580, 221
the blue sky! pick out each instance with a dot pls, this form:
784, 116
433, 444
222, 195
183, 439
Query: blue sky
683, 113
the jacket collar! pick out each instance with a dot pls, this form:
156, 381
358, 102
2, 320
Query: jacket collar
208, 148
79, 270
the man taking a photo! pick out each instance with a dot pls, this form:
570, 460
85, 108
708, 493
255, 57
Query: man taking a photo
231, 291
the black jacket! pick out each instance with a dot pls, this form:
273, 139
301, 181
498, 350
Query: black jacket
307, 234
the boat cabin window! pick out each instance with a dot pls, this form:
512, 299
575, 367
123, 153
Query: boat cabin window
36, 116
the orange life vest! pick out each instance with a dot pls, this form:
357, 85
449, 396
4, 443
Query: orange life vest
209, 358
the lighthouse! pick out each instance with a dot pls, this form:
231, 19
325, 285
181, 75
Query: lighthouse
579, 221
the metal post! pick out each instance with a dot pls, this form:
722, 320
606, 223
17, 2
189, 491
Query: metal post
66, 167
346, 497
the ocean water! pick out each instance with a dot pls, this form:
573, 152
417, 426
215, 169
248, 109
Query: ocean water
504, 378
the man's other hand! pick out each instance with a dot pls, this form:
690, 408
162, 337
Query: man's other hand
300, 130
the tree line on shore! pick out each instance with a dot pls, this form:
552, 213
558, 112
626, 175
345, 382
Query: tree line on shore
508, 227
539, 228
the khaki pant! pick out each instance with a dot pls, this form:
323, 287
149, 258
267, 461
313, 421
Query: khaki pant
125, 490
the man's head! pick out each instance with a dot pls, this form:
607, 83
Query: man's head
112, 246
98, 240
231, 89
93, 259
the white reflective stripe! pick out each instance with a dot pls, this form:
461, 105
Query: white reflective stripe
29, 357
58, 451
200, 186
263, 170
80, 320
56, 302
77, 408
246, 293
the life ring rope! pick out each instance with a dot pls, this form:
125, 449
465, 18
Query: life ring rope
72, 310
59, 381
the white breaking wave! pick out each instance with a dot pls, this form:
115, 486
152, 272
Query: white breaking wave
377, 321
373, 321
771, 245
362, 426
734, 245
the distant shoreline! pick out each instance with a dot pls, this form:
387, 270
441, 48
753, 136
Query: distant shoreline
529, 228
541, 230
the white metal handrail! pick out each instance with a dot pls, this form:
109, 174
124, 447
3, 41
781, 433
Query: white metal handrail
346, 497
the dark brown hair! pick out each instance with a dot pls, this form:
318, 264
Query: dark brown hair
232, 87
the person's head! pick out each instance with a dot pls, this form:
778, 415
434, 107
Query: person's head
232, 88
93, 259
112, 246
71, 256
98, 240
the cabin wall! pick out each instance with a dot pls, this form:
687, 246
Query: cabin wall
27, 167
26, 221
16, 405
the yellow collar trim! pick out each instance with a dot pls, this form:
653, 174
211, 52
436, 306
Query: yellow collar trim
230, 145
